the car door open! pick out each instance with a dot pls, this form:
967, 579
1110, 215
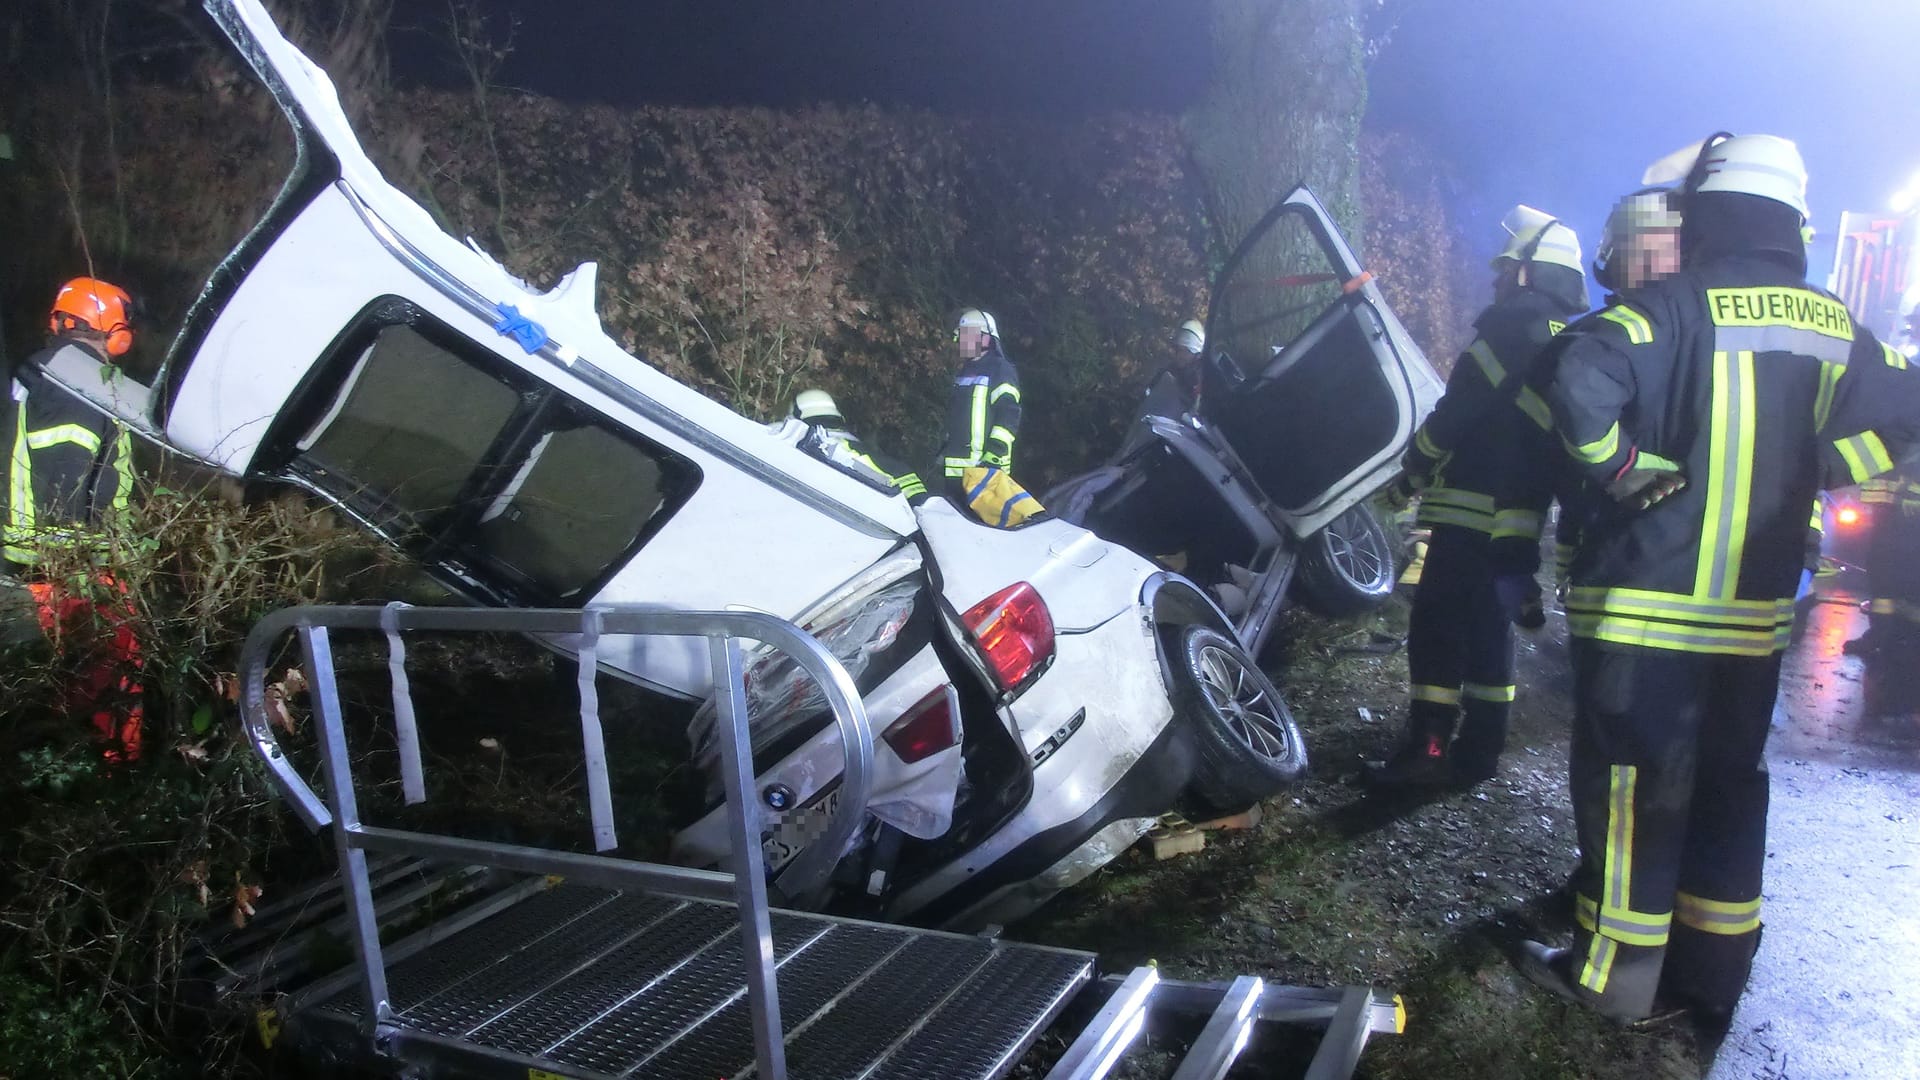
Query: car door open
1334, 386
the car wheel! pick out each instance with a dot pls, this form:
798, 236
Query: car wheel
1347, 567
1248, 747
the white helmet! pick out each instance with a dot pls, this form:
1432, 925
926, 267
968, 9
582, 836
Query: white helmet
1764, 165
1642, 211
978, 319
1537, 236
815, 406
1191, 336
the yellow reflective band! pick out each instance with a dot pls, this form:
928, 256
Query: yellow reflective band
977, 433
1483, 692
1895, 358
1729, 479
1618, 884
1598, 450
1460, 497
1881, 606
1438, 695
1535, 407
1823, 401
1003, 435
1677, 637
1797, 309
1627, 927
21, 518
1678, 606
1490, 365
1601, 951
1866, 456
1639, 330
1518, 524
1554, 326
123, 469
63, 433
1004, 390
1731, 918
1424, 443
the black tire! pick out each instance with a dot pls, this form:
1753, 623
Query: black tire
1347, 567
1247, 745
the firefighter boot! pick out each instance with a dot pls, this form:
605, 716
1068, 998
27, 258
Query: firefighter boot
1483, 734
1421, 759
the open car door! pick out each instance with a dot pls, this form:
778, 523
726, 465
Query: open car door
352, 347
1333, 387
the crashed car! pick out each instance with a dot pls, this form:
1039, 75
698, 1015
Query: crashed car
1259, 488
1038, 695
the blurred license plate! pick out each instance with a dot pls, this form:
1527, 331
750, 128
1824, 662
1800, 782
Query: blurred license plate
798, 829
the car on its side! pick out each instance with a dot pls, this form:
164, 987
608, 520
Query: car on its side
1039, 694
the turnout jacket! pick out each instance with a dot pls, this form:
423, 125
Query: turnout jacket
68, 465
983, 414
1482, 446
1764, 391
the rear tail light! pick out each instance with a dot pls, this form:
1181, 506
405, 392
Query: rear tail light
924, 730
1015, 633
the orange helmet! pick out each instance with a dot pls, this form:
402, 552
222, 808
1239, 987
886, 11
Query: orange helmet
91, 304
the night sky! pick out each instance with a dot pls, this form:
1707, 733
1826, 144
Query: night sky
1558, 103
1561, 104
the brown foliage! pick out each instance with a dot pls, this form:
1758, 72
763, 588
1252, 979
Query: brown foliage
1412, 245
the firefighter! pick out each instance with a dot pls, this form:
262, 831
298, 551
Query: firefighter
1184, 360
70, 467
817, 408
1710, 407
1639, 245
1466, 464
983, 412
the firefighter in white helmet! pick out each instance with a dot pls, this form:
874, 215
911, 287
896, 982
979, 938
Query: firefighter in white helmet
1471, 463
983, 412
983, 420
817, 407
1184, 361
1710, 407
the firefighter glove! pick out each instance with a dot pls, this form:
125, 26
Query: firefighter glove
1402, 491
1645, 480
1519, 596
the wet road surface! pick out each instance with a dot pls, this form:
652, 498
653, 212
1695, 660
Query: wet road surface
1835, 991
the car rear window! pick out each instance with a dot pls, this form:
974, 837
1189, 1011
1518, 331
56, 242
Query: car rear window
462, 458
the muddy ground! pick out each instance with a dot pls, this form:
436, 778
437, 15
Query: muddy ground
1423, 896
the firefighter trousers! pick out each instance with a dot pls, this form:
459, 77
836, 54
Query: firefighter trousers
1460, 649
1669, 793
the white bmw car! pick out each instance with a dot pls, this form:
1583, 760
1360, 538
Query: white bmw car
1039, 695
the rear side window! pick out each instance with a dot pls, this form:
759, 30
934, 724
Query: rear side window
577, 502
480, 467
410, 427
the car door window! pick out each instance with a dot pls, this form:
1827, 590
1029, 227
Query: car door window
477, 466
1324, 402
1282, 283
580, 499
408, 429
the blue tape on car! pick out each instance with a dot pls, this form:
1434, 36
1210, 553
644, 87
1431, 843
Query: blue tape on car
529, 335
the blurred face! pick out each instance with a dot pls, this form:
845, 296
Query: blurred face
1647, 256
970, 342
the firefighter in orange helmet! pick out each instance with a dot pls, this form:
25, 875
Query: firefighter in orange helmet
70, 466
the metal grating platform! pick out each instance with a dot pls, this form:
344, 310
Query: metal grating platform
584, 982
